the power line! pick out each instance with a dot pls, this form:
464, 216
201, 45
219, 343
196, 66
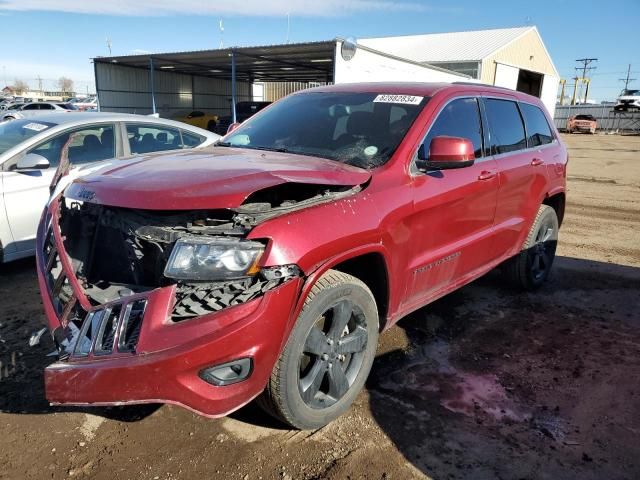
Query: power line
627, 80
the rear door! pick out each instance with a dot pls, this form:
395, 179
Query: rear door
452, 224
522, 173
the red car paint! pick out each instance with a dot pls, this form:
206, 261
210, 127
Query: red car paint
434, 233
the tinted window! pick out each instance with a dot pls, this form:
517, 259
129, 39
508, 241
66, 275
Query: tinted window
507, 130
460, 118
31, 106
191, 140
355, 128
87, 145
46, 106
538, 131
152, 138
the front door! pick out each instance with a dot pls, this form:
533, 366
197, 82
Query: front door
452, 223
26, 192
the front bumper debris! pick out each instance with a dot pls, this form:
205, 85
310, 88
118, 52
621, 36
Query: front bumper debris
137, 349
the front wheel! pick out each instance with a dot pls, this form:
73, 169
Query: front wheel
328, 355
532, 266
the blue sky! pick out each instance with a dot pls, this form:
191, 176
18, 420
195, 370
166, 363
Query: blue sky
51, 38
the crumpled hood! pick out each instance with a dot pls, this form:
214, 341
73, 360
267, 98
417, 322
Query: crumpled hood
218, 177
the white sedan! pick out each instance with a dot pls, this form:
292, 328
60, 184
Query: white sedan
34, 109
31, 149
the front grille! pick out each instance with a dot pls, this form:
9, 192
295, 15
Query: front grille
112, 329
57, 281
105, 330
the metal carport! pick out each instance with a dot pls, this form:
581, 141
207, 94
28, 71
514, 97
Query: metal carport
214, 80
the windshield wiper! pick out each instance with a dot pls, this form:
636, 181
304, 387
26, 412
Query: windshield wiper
269, 149
220, 143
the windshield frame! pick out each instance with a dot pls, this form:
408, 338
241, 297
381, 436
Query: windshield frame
349, 154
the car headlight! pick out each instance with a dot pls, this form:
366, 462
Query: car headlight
213, 258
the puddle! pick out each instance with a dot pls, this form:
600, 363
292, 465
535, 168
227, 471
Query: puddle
430, 376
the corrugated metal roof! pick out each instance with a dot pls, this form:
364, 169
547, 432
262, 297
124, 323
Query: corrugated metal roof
447, 47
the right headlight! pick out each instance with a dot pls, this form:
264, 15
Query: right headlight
213, 259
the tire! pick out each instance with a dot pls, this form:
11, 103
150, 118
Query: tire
531, 267
306, 390
211, 126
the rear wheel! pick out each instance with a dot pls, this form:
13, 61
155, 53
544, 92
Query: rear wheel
328, 355
532, 266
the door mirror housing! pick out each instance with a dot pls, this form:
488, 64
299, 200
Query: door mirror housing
33, 161
446, 153
232, 127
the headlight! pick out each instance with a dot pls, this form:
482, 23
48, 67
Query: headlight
220, 258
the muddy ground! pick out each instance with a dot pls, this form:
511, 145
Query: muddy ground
485, 383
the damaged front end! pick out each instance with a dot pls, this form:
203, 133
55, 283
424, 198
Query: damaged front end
130, 292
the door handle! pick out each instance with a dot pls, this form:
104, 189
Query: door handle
486, 175
537, 161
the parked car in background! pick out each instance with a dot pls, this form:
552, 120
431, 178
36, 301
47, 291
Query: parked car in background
198, 118
244, 111
34, 109
8, 107
30, 152
267, 265
84, 104
628, 100
582, 123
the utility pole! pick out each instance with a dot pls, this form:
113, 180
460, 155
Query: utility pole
109, 45
39, 84
585, 69
627, 80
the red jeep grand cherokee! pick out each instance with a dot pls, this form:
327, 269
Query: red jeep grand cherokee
267, 266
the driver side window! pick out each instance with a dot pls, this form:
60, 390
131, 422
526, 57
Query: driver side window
459, 118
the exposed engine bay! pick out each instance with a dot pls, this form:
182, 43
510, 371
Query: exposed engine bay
117, 252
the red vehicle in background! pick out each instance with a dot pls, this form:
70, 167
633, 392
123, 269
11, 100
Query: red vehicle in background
266, 267
582, 123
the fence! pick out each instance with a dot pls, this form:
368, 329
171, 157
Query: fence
608, 119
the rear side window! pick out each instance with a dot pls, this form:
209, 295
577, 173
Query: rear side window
538, 130
191, 140
507, 130
460, 118
152, 138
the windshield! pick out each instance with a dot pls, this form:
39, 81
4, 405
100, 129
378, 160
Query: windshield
362, 129
585, 117
17, 131
631, 93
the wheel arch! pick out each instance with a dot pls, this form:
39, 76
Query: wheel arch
369, 264
556, 201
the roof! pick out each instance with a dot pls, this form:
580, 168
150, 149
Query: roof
447, 47
427, 89
304, 62
80, 118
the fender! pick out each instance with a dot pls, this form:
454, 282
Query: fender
320, 270
525, 231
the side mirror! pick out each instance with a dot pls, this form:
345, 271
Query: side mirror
232, 127
446, 153
33, 161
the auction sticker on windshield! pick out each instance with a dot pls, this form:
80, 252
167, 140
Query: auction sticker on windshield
402, 99
38, 127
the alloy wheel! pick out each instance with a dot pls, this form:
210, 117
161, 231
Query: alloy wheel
332, 355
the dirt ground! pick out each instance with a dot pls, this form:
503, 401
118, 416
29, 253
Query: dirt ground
485, 383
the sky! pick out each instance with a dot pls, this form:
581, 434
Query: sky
54, 38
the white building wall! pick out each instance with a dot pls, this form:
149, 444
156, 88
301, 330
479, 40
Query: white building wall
370, 66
